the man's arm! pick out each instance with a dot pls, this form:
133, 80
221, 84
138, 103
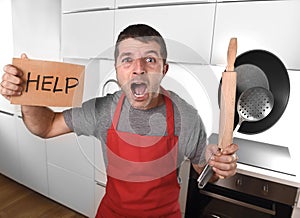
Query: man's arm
43, 122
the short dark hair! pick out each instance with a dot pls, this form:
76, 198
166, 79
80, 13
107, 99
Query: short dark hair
144, 33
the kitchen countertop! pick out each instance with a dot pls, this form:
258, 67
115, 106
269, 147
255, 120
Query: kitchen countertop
269, 175
265, 161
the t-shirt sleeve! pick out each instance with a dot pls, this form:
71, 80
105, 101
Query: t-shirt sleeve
196, 142
81, 119
92, 116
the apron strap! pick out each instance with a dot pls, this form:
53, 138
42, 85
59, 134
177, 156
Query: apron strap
169, 113
117, 113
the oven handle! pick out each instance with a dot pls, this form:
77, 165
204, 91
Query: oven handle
240, 203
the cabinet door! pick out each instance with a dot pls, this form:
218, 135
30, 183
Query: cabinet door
132, 3
99, 194
71, 189
33, 159
87, 35
187, 29
198, 85
268, 25
9, 150
79, 5
72, 153
100, 169
36, 28
92, 76
100, 76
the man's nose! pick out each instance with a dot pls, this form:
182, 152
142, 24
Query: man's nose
139, 66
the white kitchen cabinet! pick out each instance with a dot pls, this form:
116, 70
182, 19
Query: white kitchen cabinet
133, 3
71, 171
36, 28
99, 81
99, 194
184, 174
9, 149
87, 35
32, 159
267, 25
97, 74
73, 153
108, 82
198, 85
6, 45
187, 29
71, 189
100, 169
79, 5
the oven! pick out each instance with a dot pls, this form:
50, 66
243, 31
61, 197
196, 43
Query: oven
244, 196
239, 196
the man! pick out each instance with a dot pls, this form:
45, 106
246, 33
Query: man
145, 131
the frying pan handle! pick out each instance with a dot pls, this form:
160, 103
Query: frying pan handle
205, 176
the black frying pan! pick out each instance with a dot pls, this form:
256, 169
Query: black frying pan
262, 68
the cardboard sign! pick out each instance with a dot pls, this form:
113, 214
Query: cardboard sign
48, 83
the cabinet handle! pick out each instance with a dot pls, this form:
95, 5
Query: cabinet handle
100, 184
106, 83
162, 4
6, 113
87, 10
240, 203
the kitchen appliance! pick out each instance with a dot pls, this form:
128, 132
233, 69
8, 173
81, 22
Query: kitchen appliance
242, 195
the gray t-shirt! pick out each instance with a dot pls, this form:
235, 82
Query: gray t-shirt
94, 118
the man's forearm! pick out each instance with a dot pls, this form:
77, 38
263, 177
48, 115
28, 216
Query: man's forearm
38, 120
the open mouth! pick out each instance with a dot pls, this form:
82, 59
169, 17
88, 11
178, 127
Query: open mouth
139, 89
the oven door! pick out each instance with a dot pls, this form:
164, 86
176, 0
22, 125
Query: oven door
215, 201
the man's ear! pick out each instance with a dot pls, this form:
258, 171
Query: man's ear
165, 69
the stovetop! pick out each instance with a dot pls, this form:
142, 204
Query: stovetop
262, 155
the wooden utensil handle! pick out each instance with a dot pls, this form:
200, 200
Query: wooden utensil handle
227, 106
231, 54
227, 109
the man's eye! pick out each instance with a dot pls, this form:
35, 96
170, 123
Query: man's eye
126, 60
150, 60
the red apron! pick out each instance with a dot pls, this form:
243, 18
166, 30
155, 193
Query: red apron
141, 172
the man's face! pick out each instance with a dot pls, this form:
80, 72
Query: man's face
140, 69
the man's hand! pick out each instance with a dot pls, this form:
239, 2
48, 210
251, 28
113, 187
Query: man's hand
11, 84
224, 162
41, 121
